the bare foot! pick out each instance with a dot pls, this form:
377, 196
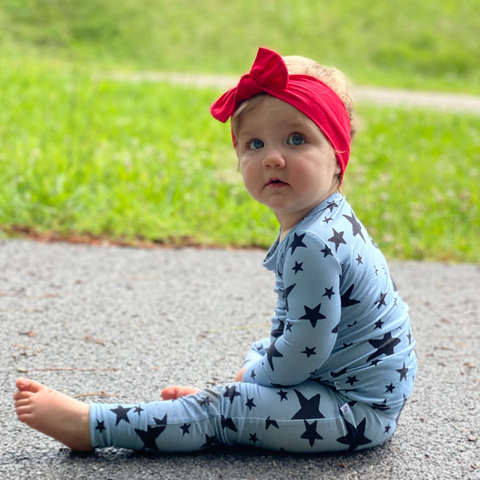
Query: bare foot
171, 393
54, 414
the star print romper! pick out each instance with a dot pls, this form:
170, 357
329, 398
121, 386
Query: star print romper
334, 374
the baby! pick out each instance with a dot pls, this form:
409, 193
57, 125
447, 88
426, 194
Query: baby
339, 363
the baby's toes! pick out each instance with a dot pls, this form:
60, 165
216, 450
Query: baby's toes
23, 412
22, 402
21, 395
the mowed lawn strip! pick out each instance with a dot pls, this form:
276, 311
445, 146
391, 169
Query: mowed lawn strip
124, 160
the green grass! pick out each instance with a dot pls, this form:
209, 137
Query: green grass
428, 44
125, 160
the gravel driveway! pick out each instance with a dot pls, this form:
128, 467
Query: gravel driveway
126, 322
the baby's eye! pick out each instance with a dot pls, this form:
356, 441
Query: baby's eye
295, 140
255, 144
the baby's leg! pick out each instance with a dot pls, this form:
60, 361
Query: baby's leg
54, 414
305, 418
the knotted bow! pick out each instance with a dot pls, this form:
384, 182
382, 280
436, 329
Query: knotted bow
311, 96
268, 72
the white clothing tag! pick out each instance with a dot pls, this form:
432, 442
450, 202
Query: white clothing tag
345, 408
337, 385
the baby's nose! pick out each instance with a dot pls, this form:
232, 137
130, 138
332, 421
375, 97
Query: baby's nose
273, 158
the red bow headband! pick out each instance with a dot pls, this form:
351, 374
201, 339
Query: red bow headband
312, 97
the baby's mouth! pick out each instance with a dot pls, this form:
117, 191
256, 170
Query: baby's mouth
276, 183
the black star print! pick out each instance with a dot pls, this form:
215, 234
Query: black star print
346, 345
381, 301
289, 326
403, 372
297, 242
313, 314
204, 400
389, 388
269, 422
253, 438
311, 433
409, 336
283, 395
231, 393
352, 325
250, 403
138, 409
381, 406
228, 423
210, 441
100, 426
298, 267
326, 251
337, 239
387, 428
287, 293
149, 436
332, 205
352, 380
328, 293
376, 270
252, 374
335, 329
341, 372
375, 363
327, 219
309, 351
359, 260
163, 421
346, 301
278, 332
121, 413
356, 227
271, 353
379, 324
355, 436
385, 346
185, 428
309, 407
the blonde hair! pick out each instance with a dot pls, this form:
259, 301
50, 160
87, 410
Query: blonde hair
296, 65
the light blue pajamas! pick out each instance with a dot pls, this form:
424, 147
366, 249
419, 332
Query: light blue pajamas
334, 374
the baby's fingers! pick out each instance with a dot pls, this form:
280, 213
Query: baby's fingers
174, 392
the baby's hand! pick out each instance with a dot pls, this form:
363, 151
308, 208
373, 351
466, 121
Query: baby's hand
174, 392
239, 375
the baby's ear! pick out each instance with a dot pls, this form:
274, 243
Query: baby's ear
338, 169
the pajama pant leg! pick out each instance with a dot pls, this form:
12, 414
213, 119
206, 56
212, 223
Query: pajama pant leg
308, 417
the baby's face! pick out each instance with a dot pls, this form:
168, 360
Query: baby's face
286, 162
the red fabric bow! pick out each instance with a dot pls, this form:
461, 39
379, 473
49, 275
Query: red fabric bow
268, 72
312, 97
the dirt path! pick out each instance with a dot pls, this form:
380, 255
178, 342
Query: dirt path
360, 94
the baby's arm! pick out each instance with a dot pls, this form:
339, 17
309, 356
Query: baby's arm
311, 277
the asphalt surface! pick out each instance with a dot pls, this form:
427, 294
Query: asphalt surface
151, 318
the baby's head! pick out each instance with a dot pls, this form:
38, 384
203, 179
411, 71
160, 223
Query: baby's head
314, 99
297, 65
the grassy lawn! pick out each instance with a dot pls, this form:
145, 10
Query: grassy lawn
430, 44
147, 161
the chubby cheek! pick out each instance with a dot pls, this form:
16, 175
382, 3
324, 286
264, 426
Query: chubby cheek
252, 179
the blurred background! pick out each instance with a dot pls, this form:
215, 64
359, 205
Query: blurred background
89, 155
